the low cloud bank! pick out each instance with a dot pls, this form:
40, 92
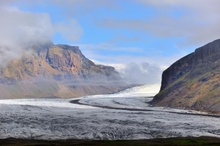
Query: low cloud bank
21, 30
140, 73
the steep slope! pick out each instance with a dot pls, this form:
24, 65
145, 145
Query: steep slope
58, 62
56, 71
193, 81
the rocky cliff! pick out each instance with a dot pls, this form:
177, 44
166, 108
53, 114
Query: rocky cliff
56, 71
194, 81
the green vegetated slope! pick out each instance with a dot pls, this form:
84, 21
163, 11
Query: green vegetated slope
193, 81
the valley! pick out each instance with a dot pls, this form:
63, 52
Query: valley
128, 116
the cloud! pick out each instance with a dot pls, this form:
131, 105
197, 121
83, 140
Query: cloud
70, 31
22, 27
142, 70
20, 30
83, 5
196, 22
109, 47
127, 39
166, 2
161, 61
137, 72
68, 8
140, 73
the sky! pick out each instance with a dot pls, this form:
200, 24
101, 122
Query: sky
139, 37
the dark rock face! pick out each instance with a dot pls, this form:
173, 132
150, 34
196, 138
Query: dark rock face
57, 71
193, 81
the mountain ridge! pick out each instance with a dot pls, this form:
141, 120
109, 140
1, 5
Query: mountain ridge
193, 81
57, 71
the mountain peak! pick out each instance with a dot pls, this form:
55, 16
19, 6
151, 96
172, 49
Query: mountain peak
59, 62
63, 71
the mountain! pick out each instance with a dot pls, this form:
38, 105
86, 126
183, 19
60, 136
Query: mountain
193, 82
56, 71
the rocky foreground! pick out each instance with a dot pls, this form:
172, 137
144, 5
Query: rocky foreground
56, 71
193, 81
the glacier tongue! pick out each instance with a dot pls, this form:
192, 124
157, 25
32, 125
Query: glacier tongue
128, 116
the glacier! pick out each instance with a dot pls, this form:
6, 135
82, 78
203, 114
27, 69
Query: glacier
120, 116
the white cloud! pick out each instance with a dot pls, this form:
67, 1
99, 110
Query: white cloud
22, 27
136, 70
83, 5
68, 8
70, 31
142, 73
20, 30
138, 73
165, 2
161, 61
198, 21
109, 47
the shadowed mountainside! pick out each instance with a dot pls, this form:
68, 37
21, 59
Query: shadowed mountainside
193, 81
56, 71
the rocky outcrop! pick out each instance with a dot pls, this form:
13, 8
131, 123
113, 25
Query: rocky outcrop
57, 71
194, 81
61, 62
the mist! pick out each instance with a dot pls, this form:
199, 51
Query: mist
20, 31
140, 73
